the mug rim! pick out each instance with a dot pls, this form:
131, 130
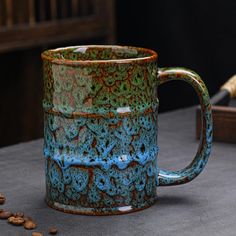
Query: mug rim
144, 59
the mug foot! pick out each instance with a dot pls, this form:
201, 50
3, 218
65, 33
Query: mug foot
99, 211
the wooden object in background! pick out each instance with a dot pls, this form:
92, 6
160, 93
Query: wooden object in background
224, 117
24, 34
31, 23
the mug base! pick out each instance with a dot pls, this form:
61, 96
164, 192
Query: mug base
99, 211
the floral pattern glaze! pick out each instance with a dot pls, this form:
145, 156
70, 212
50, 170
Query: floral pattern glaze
100, 131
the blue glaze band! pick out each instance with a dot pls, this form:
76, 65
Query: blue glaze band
101, 162
103, 141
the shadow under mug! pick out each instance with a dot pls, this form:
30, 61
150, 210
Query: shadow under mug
100, 128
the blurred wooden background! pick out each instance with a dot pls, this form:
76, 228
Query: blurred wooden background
28, 27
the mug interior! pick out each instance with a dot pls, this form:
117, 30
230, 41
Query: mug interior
99, 53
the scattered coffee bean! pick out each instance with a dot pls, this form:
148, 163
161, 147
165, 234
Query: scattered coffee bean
16, 220
10, 219
53, 230
37, 234
2, 199
19, 214
5, 215
29, 225
27, 218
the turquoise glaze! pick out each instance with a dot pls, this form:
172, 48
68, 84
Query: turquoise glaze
100, 130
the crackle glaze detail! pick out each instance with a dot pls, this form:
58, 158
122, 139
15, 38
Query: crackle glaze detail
101, 162
99, 190
100, 132
105, 142
100, 129
100, 89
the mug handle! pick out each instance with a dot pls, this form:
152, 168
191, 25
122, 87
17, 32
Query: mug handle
165, 177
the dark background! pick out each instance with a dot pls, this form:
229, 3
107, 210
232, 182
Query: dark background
199, 35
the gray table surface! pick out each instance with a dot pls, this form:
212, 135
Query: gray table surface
206, 206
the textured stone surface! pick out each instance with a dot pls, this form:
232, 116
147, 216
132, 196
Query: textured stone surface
206, 206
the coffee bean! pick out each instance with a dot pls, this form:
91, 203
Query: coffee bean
37, 234
2, 199
29, 225
19, 214
53, 230
10, 219
27, 218
16, 220
5, 215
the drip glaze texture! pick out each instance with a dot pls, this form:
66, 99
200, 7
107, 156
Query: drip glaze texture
100, 129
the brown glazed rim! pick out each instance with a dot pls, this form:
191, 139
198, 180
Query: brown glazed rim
152, 56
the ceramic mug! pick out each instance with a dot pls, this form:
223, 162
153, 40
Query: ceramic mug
100, 132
